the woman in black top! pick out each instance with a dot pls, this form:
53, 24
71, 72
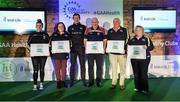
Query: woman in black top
38, 37
140, 66
60, 59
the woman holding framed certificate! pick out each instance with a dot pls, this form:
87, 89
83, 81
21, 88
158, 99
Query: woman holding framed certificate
140, 64
39, 50
60, 52
95, 45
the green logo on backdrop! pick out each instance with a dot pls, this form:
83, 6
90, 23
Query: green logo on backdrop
7, 69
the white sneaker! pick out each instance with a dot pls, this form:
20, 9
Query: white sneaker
34, 88
136, 90
41, 86
145, 92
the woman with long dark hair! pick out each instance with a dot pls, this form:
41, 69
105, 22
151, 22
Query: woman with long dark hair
60, 59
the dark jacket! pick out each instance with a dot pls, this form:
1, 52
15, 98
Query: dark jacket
76, 32
57, 37
38, 38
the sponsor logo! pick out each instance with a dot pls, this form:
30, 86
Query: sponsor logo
143, 40
5, 19
147, 18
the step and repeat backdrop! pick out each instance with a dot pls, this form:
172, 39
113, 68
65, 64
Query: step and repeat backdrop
15, 61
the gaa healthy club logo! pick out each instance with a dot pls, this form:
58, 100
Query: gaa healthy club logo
7, 69
72, 7
10, 68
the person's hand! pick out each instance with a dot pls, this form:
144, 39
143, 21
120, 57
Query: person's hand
145, 47
123, 52
28, 47
104, 50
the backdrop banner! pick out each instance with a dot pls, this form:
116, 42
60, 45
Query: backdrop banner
21, 69
104, 10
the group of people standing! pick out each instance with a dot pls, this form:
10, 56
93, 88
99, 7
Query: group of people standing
79, 35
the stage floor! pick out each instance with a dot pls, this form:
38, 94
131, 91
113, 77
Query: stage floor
166, 89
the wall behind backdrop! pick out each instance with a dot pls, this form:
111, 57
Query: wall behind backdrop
165, 57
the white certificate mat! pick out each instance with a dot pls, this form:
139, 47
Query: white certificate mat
39, 50
136, 52
115, 46
94, 47
60, 47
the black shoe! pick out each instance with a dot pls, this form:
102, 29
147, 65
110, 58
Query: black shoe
122, 87
145, 92
98, 84
59, 84
113, 87
85, 85
90, 84
71, 83
64, 84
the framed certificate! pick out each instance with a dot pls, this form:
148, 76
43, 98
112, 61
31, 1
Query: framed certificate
136, 52
60, 47
39, 50
115, 46
94, 47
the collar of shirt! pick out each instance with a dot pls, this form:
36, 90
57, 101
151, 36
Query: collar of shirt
58, 34
139, 38
76, 23
95, 29
117, 29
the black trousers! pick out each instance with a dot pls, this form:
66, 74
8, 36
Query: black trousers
81, 54
38, 64
140, 70
98, 58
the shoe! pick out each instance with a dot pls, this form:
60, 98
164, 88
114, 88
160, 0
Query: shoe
85, 85
122, 87
41, 86
90, 84
136, 90
113, 87
145, 92
98, 84
63, 83
59, 84
34, 88
71, 83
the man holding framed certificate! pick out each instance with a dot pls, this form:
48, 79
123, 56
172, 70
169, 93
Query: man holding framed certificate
139, 52
39, 50
116, 47
60, 53
95, 44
